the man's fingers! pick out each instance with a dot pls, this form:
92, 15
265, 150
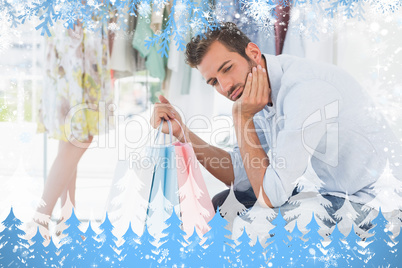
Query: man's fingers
261, 84
267, 93
247, 87
163, 99
254, 89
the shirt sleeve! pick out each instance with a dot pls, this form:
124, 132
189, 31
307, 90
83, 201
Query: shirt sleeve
308, 128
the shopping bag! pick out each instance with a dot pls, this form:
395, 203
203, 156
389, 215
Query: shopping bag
163, 195
195, 203
178, 176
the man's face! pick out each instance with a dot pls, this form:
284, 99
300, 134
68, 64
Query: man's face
225, 70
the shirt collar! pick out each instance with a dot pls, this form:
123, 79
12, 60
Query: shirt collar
275, 73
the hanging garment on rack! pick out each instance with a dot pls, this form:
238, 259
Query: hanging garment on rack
155, 63
125, 60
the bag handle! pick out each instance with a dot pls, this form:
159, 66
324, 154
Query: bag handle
164, 135
170, 131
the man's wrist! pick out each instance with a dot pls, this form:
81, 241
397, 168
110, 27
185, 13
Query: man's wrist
182, 136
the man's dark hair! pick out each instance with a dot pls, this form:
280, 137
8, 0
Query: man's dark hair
227, 34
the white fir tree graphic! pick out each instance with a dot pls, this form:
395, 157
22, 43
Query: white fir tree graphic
193, 213
387, 190
231, 208
346, 216
128, 198
159, 210
308, 200
256, 221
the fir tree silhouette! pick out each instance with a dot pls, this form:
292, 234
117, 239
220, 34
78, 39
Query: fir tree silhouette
194, 252
109, 257
346, 216
314, 245
194, 212
13, 247
148, 251
257, 220
73, 244
243, 250
258, 256
339, 246
91, 244
231, 208
129, 189
309, 200
129, 255
296, 245
52, 255
382, 245
173, 244
356, 254
159, 211
37, 251
217, 244
280, 246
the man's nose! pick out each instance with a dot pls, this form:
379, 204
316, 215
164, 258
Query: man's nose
225, 84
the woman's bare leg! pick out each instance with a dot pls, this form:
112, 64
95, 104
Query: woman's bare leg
62, 175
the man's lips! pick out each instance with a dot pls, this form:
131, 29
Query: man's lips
235, 93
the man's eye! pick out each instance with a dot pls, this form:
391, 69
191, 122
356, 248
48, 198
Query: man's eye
214, 82
228, 68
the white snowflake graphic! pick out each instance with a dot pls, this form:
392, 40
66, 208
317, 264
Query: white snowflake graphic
180, 9
386, 6
5, 37
196, 24
113, 26
158, 5
164, 254
330, 258
144, 9
259, 10
220, 12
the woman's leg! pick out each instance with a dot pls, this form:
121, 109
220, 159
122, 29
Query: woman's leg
62, 175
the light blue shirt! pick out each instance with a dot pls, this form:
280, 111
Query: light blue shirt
322, 127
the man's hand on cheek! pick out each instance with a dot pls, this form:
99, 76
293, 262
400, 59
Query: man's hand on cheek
255, 95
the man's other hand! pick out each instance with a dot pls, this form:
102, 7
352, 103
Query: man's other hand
255, 96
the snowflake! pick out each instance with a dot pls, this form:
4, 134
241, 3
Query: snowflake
25, 137
244, 19
220, 12
265, 27
207, 15
385, 6
330, 258
144, 9
165, 252
158, 5
113, 26
196, 24
180, 9
258, 10
5, 37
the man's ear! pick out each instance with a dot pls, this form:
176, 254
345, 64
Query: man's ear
254, 52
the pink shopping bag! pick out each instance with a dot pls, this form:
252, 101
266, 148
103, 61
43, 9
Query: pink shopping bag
195, 203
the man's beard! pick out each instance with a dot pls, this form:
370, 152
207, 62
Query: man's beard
251, 64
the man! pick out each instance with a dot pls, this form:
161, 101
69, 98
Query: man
292, 117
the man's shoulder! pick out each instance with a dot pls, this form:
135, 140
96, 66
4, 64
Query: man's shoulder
297, 70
